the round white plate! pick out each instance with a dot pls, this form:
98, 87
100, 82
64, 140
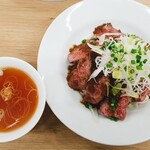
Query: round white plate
70, 27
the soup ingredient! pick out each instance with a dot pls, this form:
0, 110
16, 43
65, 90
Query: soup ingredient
18, 99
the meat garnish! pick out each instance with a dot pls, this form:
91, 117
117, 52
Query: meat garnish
119, 112
124, 101
105, 28
79, 73
105, 109
78, 52
96, 91
78, 76
103, 69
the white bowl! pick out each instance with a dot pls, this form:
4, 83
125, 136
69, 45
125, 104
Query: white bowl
31, 71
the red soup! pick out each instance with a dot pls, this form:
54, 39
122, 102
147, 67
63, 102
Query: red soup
18, 99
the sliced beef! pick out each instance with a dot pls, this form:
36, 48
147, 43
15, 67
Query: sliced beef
124, 101
143, 95
79, 52
119, 112
105, 109
78, 75
105, 28
96, 91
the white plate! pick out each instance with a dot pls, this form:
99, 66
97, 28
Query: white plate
70, 27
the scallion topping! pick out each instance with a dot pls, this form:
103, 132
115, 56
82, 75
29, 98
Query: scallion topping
132, 62
138, 58
113, 118
88, 105
83, 41
145, 60
133, 51
109, 65
115, 59
113, 103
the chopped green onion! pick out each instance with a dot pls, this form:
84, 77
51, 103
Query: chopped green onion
132, 62
140, 52
138, 58
88, 105
103, 24
121, 60
102, 47
133, 36
145, 60
139, 47
115, 59
112, 55
83, 41
139, 67
125, 68
121, 50
107, 43
93, 42
132, 71
113, 118
133, 51
113, 104
114, 48
109, 65
137, 42
146, 48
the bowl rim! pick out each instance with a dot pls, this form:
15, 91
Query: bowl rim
38, 80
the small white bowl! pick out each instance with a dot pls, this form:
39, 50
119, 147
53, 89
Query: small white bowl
31, 71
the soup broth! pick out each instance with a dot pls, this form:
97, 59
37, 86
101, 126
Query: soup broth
18, 98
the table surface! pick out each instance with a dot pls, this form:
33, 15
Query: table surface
22, 26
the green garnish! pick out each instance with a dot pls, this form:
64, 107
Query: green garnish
145, 60
121, 50
113, 104
115, 59
103, 24
132, 62
109, 65
133, 36
125, 68
88, 105
114, 48
113, 118
121, 60
137, 42
133, 51
132, 71
112, 55
139, 67
138, 58
83, 41
93, 42
140, 52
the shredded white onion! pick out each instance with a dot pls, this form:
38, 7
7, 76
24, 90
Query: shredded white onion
134, 51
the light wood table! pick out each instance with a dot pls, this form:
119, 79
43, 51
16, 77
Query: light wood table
22, 26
